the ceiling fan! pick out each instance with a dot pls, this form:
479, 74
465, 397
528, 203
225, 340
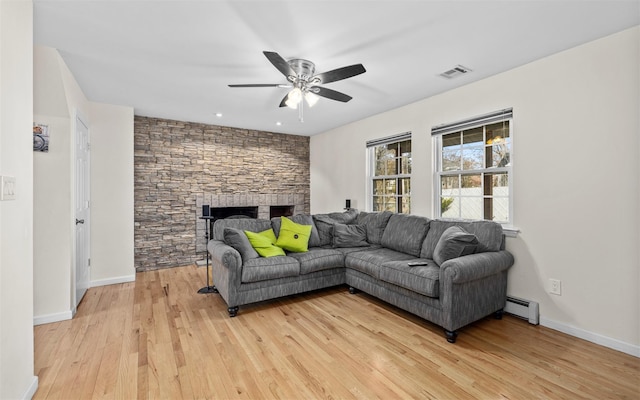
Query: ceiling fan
303, 81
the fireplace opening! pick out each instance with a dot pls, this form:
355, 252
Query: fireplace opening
234, 212
280, 211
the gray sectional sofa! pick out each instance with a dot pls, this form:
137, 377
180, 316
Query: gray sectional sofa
462, 276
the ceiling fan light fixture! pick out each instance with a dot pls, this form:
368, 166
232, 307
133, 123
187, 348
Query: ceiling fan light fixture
303, 81
293, 98
311, 98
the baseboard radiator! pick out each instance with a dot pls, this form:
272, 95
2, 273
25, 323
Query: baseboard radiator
525, 309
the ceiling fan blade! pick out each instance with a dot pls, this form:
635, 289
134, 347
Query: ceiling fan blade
341, 73
284, 99
280, 63
261, 85
330, 94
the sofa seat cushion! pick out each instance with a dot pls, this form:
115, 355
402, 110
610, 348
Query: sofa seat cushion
317, 259
423, 279
263, 269
349, 250
370, 261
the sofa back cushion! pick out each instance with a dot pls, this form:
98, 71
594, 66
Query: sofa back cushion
346, 236
489, 235
324, 224
374, 223
405, 233
243, 224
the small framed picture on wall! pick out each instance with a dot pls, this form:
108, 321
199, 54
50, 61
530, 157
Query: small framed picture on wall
40, 137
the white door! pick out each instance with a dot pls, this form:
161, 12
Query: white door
82, 211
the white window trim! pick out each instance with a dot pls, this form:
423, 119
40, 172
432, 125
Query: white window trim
369, 160
509, 228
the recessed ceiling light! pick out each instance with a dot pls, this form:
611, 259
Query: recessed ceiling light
278, 123
218, 115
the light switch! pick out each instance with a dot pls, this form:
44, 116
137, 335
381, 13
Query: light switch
8, 188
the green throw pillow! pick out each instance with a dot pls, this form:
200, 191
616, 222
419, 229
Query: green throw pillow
270, 234
263, 244
293, 237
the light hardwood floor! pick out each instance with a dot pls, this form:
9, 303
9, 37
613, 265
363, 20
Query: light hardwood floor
158, 338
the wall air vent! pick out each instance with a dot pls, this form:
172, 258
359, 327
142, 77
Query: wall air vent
455, 71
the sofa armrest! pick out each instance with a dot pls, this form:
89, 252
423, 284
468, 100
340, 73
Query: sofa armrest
224, 254
226, 269
473, 286
475, 266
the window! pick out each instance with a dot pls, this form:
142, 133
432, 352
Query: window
473, 168
390, 172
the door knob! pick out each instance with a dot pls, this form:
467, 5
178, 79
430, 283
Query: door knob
79, 221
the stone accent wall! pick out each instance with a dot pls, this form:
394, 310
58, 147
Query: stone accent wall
179, 165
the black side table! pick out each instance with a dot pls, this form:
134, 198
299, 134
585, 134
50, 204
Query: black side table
210, 288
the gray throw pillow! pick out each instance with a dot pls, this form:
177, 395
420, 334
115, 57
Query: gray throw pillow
349, 235
324, 224
347, 217
238, 240
454, 242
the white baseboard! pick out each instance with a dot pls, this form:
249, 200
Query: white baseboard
596, 338
49, 318
63, 316
31, 390
113, 281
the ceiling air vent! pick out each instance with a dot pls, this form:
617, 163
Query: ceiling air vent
455, 71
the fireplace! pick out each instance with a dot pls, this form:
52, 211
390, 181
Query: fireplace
234, 212
280, 211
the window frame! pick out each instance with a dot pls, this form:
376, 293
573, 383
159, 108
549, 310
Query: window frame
466, 125
371, 170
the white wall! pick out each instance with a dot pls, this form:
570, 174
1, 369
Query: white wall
52, 238
111, 135
16, 216
112, 213
575, 166
52, 193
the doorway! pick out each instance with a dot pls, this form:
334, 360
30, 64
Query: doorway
82, 209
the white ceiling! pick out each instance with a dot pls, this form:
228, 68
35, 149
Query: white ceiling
174, 59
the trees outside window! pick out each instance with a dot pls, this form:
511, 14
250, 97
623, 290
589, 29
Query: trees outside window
473, 172
391, 176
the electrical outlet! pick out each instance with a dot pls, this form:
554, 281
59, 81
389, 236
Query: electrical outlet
555, 286
8, 188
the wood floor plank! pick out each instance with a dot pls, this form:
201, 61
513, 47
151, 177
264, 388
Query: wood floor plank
158, 338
